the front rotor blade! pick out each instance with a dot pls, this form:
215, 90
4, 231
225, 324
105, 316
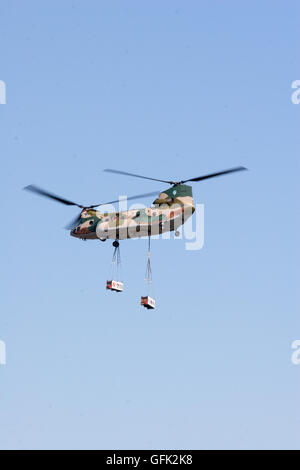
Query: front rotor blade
73, 223
139, 196
108, 170
42, 192
219, 173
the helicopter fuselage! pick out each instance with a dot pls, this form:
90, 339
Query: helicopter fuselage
130, 224
172, 208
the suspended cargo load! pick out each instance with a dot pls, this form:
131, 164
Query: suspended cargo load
116, 286
148, 302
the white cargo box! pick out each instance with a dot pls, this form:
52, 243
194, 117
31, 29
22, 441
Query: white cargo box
148, 302
116, 286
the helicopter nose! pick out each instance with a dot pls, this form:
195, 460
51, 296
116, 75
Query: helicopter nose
74, 231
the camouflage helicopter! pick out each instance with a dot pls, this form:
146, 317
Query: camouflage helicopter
168, 212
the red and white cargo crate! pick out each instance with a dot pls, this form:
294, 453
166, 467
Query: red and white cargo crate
116, 286
147, 302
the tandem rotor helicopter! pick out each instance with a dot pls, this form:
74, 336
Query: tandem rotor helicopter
171, 209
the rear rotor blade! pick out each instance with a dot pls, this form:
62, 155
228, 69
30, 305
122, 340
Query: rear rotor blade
213, 175
109, 170
42, 192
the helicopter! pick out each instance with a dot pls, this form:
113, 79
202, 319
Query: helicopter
171, 209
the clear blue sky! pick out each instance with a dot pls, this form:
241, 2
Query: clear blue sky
171, 89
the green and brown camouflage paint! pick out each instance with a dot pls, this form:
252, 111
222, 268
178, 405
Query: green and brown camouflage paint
170, 210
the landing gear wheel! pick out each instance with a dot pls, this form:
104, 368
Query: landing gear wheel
177, 233
116, 244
